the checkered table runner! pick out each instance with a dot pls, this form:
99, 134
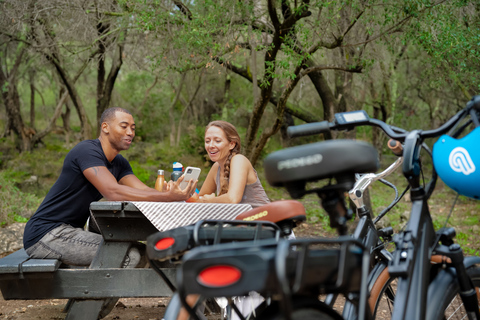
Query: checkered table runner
169, 215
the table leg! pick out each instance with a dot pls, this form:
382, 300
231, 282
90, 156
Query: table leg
109, 255
84, 310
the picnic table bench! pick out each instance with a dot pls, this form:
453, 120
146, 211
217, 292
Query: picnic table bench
89, 289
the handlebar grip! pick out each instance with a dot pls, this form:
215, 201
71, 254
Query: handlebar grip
396, 147
476, 102
308, 129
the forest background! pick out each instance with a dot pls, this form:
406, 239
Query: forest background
261, 65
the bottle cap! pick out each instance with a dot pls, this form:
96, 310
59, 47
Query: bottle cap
177, 166
160, 172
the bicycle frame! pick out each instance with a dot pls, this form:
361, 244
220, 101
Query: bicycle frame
415, 245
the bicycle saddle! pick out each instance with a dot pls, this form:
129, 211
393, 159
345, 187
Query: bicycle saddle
275, 212
320, 160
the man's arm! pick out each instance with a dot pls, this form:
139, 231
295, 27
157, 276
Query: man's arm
108, 186
131, 180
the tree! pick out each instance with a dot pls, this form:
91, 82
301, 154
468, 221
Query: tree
295, 38
45, 28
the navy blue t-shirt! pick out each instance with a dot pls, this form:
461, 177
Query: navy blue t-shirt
68, 201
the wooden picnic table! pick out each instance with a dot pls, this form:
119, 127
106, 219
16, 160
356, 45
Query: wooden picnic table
89, 289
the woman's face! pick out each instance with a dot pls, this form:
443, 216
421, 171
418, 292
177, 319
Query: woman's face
217, 145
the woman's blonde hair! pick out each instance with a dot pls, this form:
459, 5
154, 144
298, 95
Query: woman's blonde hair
232, 136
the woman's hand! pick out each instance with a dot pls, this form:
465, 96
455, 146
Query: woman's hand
207, 198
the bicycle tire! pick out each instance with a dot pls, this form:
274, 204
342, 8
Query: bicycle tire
444, 301
382, 293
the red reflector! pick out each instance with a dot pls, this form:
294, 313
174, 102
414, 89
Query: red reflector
164, 243
219, 276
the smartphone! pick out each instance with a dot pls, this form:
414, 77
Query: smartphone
191, 173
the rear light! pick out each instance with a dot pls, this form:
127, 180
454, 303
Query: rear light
219, 276
164, 243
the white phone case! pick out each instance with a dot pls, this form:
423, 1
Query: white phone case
191, 173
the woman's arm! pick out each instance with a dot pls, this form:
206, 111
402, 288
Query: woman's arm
209, 186
240, 168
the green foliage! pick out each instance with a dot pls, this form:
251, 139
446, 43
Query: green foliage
450, 35
15, 205
143, 174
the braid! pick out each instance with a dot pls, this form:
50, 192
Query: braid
226, 173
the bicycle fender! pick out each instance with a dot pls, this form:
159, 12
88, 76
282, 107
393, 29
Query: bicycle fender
445, 281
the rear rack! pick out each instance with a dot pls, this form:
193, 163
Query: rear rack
279, 270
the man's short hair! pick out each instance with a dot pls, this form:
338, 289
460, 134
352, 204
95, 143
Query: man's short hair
109, 114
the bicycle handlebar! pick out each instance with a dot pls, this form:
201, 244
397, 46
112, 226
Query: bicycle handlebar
413, 140
349, 120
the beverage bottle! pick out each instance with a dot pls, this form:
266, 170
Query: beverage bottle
160, 180
195, 197
177, 171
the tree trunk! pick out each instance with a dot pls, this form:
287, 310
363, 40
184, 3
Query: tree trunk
171, 113
66, 122
105, 87
282, 102
77, 102
101, 29
11, 100
187, 107
32, 98
325, 93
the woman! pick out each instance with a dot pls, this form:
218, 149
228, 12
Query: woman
232, 176
234, 180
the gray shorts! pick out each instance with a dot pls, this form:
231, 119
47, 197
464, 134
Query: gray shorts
74, 246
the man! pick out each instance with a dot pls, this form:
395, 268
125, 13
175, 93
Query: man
92, 169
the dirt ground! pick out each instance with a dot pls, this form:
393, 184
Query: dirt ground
128, 309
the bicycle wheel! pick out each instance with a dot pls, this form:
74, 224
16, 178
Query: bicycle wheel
303, 309
382, 294
444, 301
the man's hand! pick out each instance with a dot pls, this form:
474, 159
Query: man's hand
175, 192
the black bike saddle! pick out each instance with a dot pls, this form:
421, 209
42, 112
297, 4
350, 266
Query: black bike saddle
321, 160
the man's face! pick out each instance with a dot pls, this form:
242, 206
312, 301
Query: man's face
121, 130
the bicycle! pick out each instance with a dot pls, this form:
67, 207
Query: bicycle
415, 246
418, 243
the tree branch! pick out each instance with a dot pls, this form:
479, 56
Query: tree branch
183, 8
354, 69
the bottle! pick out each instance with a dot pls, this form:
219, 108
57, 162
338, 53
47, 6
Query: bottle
177, 171
194, 198
160, 181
